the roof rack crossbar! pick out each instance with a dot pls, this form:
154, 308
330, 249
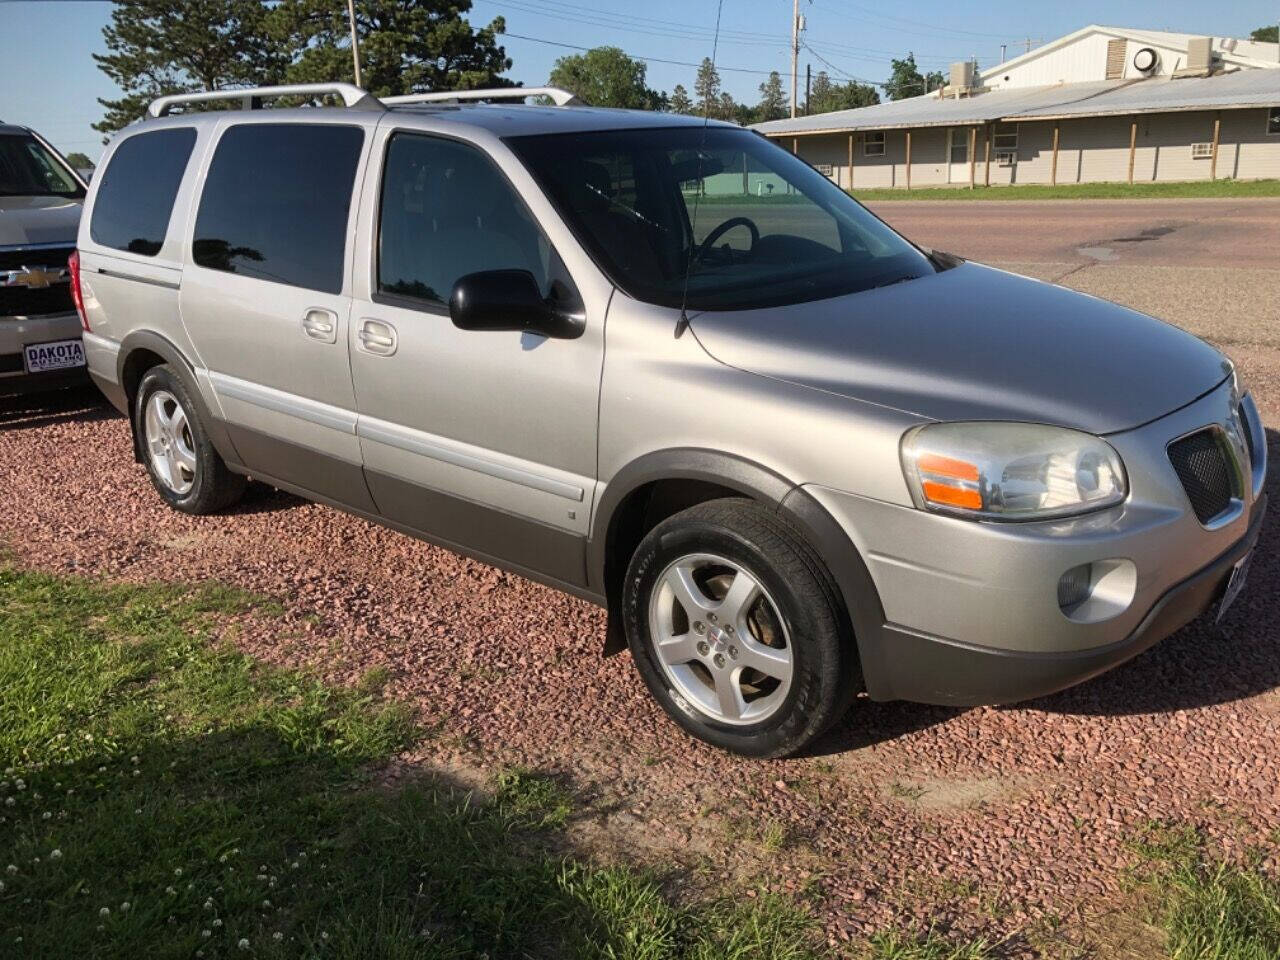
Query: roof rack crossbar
251, 97
561, 98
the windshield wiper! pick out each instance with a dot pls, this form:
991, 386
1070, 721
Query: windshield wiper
889, 283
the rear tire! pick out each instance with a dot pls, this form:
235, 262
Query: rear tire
184, 467
736, 630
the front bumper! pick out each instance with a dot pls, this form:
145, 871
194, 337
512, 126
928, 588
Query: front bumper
18, 332
929, 669
967, 612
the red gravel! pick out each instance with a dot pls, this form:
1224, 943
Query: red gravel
893, 814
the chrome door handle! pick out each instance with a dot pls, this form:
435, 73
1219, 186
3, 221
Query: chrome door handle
320, 324
377, 337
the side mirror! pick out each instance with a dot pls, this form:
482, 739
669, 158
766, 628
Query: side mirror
509, 300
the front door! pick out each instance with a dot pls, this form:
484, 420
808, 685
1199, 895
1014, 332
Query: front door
958, 145
267, 302
484, 441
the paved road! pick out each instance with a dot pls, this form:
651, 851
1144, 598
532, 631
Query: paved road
1203, 233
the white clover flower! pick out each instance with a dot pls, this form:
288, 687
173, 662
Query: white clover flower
46, 815
206, 933
102, 769
8, 801
137, 773
277, 936
124, 907
177, 872
11, 869
324, 934
217, 922
133, 759
295, 865
170, 891
104, 912
55, 855
20, 784
4, 784
266, 904
243, 944
208, 904
1, 886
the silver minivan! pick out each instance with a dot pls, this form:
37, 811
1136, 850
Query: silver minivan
666, 366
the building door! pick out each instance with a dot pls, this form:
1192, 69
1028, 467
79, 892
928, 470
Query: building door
958, 143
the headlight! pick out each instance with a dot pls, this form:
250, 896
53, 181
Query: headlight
1011, 471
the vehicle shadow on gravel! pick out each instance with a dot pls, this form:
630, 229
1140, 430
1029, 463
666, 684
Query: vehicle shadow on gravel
28, 411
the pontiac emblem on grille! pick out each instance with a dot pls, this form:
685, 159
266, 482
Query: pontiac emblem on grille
35, 278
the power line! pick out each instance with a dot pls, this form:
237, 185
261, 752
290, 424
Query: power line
931, 28
636, 56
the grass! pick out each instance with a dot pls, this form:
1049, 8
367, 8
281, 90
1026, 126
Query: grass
163, 796
1210, 909
927, 946
1082, 191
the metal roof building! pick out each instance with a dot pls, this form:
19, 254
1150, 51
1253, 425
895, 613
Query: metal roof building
1122, 105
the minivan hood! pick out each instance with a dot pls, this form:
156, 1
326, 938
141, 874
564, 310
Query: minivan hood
975, 343
29, 220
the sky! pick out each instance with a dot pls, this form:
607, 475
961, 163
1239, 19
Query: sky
49, 81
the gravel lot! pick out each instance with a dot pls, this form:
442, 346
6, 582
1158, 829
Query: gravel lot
991, 819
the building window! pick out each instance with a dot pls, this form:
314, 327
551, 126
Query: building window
1273, 122
1005, 139
873, 144
959, 149
1201, 151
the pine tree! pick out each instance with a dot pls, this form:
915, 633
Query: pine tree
158, 47
407, 46
680, 102
706, 88
773, 100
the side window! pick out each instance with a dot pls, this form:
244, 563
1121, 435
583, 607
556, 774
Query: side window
275, 203
446, 212
136, 193
1273, 122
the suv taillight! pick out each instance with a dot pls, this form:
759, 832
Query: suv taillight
73, 264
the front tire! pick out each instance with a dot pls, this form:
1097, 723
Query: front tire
184, 467
736, 630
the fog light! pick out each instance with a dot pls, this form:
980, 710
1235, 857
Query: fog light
1093, 592
1073, 586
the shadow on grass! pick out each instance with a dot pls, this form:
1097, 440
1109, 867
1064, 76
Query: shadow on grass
162, 796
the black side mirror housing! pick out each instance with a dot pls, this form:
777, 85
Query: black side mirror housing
510, 300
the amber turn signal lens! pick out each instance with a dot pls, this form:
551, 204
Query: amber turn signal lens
948, 496
947, 467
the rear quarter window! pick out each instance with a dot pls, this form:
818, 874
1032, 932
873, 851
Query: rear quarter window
136, 193
276, 201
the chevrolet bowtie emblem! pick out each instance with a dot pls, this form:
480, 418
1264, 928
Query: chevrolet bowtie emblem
36, 278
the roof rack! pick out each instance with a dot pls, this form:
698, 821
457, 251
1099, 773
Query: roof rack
251, 97
561, 98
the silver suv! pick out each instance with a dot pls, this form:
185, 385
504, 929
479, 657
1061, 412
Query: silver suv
666, 366
40, 201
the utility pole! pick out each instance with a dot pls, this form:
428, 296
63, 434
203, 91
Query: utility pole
1002, 51
355, 40
808, 82
795, 51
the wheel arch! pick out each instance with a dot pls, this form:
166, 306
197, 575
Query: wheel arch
682, 477
139, 352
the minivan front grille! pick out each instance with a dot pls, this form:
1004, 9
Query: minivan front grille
1200, 460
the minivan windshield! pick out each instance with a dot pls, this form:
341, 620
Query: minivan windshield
28, 169
719, 215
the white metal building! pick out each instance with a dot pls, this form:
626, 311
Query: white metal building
1100, 104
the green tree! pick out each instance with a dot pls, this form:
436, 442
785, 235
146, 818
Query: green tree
158, 47
607, 77
826, 96
773, 99
706, 88
1269, 34
907, 81
680, 102
80, 161
406, 46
